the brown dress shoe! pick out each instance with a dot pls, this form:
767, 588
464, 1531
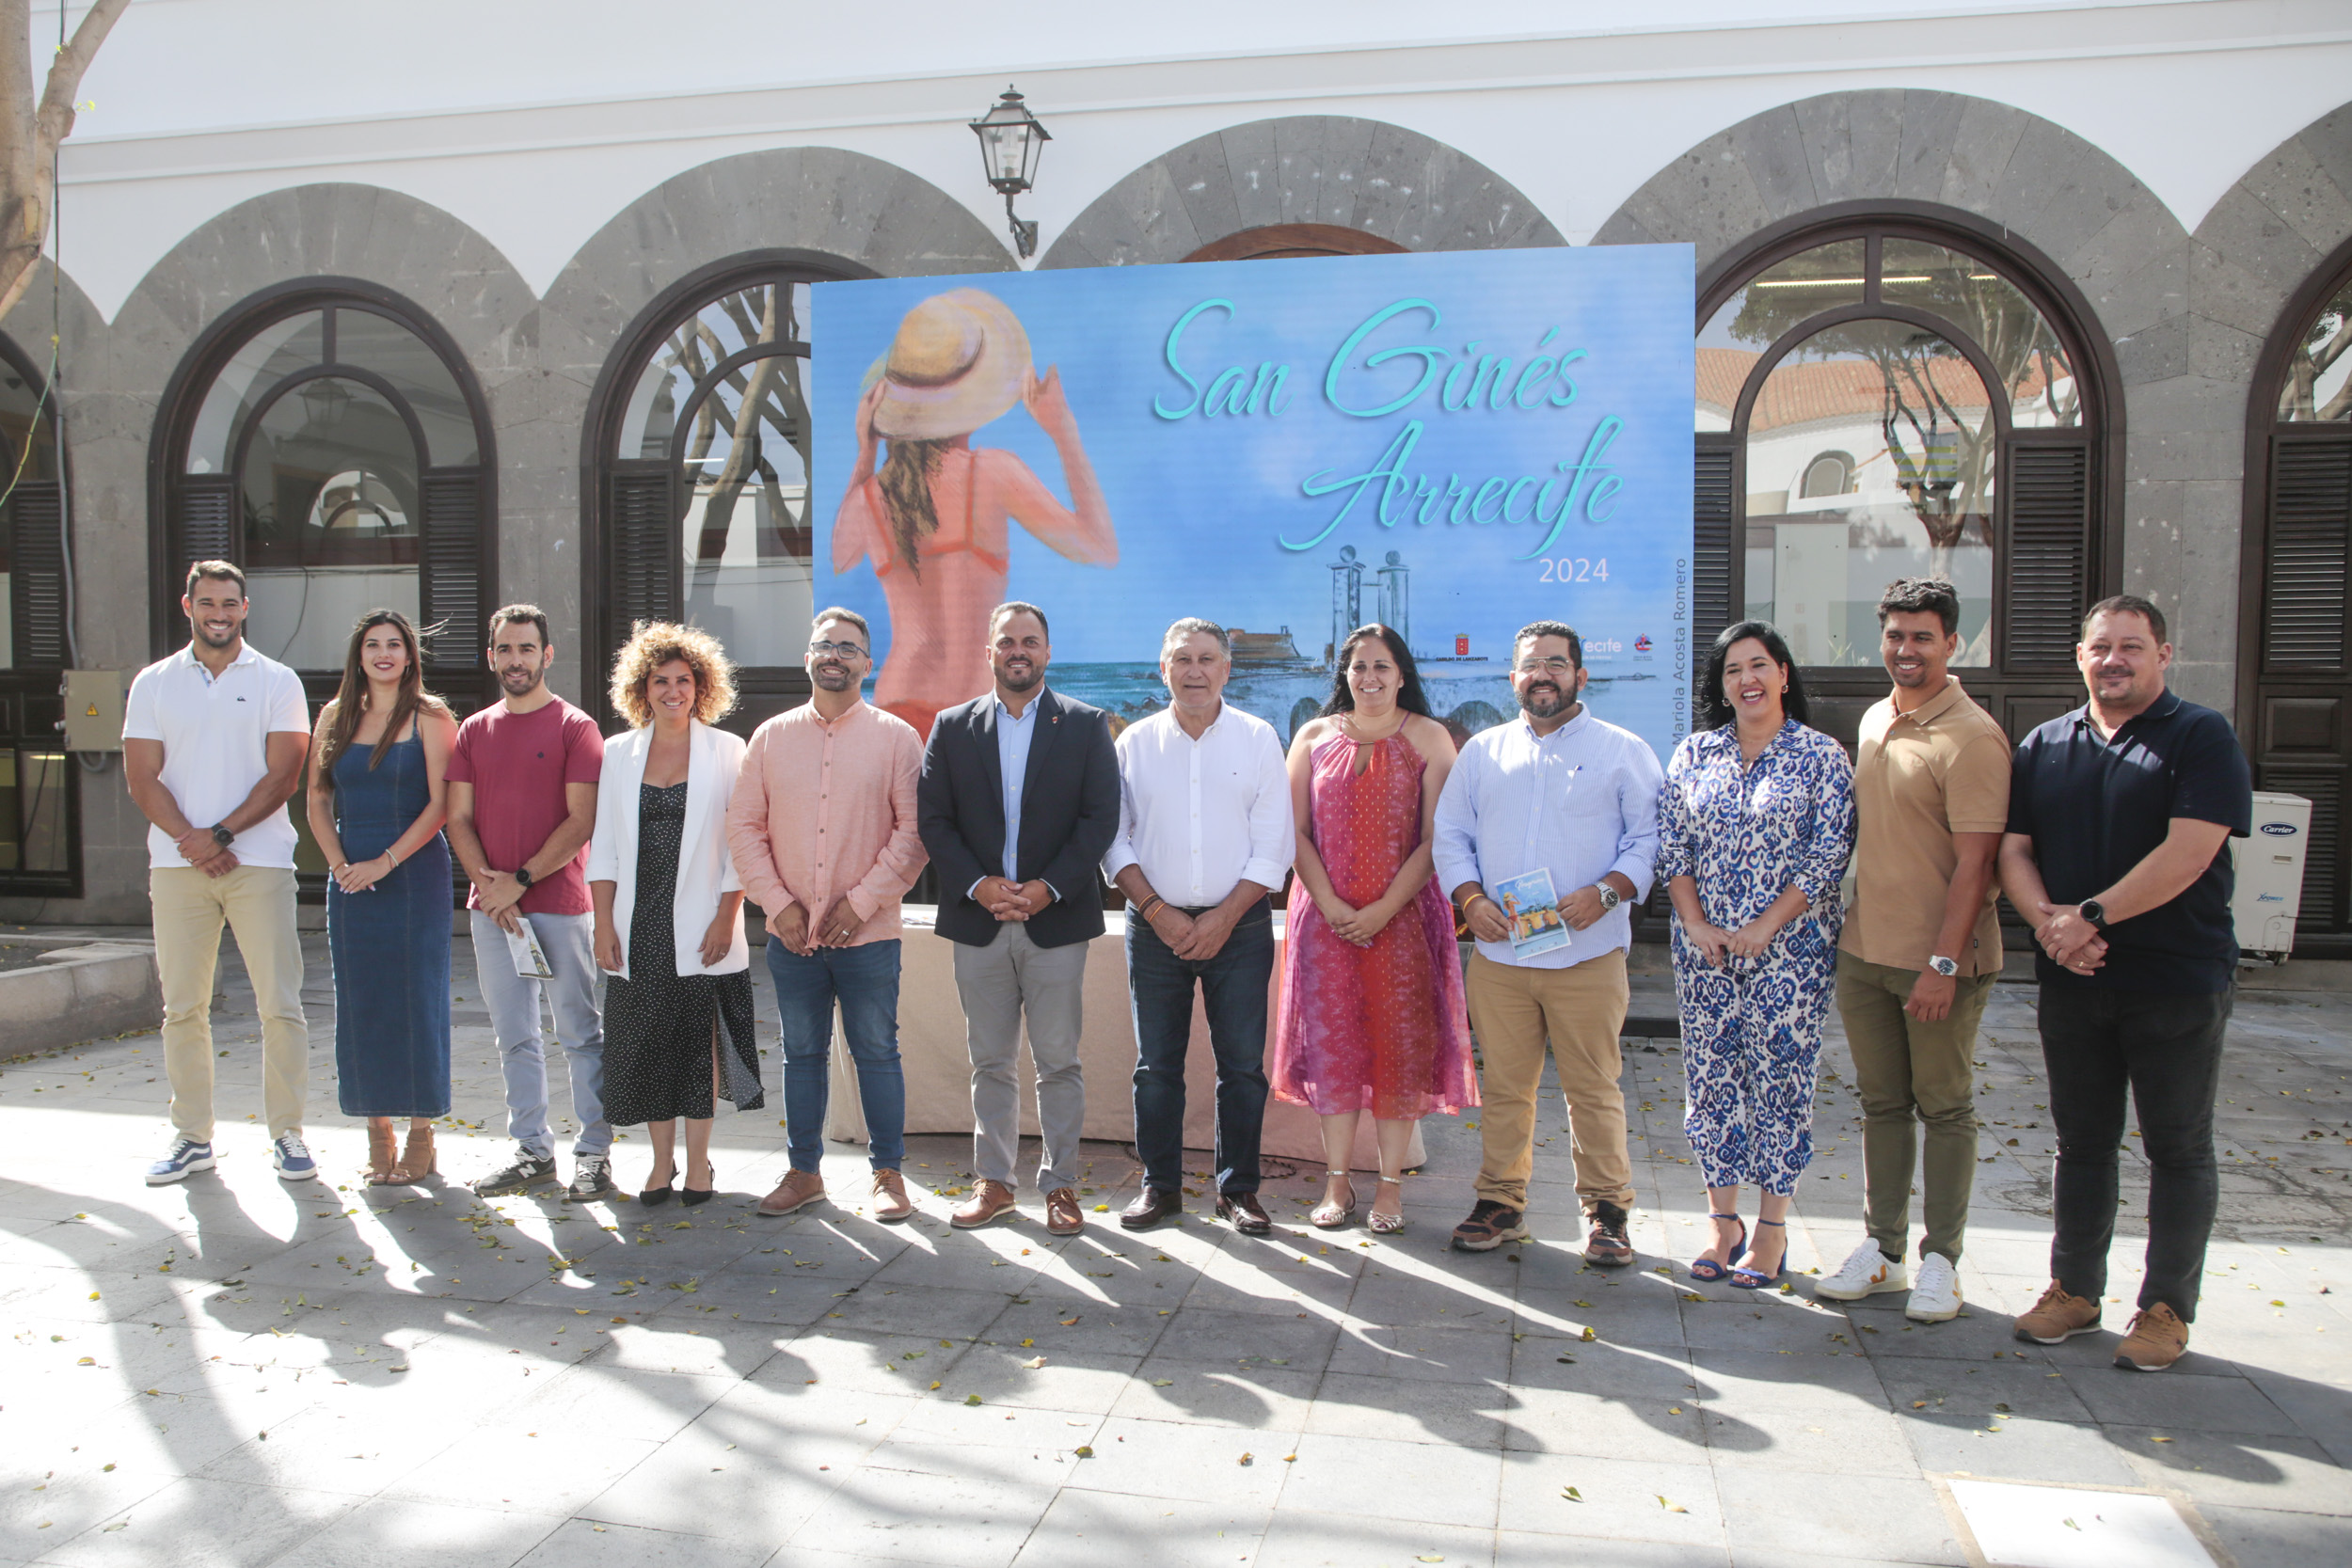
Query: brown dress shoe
2058, 1316
1061, 1212
991, 1200
1607, 1243
1152, 1205
2155, 1339
1244, 1213
798, 1190
890, 1196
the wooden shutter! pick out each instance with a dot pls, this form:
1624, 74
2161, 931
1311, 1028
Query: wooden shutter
2311, 536
2049, 537
450, 591
203, 526
36, 581
641, 550
1713, 525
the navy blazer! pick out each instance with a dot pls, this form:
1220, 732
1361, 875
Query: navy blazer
1069, 815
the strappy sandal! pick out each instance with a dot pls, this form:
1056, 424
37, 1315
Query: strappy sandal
1752, 1279
1387, 1224
1707, 1268
418, 1160
1328, 1215
380, 1172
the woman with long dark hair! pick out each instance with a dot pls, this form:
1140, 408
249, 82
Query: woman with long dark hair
1754, 828
376, 802
1371, 1015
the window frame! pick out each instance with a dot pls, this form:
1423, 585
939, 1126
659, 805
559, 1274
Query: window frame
30, 699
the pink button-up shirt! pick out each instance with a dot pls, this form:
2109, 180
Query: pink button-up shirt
821, 809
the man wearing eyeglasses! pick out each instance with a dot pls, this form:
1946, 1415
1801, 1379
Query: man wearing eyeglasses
823, 827
1560, 790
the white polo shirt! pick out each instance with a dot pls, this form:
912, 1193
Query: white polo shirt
215, 736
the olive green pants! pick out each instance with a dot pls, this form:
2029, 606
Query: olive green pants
1907, 1072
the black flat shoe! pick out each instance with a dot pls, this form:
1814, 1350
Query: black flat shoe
692, 1199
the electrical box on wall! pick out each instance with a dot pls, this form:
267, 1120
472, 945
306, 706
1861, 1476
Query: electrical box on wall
2269, 891
93, 710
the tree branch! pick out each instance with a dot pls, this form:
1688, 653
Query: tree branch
34, 136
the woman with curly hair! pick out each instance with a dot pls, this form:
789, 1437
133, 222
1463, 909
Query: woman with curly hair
669, 909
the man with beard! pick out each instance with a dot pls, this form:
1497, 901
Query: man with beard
522, 802
211, 750
1019, 799
822, 826
1560, 790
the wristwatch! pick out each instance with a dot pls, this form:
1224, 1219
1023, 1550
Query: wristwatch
1945, 967
523, 876
2091, 911
222, 836
1610, 897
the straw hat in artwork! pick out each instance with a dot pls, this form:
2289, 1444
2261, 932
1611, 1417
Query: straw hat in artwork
959, 362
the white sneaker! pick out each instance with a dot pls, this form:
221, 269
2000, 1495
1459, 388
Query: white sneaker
1936, 1298
1866, 1272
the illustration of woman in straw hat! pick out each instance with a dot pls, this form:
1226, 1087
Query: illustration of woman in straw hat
933, 519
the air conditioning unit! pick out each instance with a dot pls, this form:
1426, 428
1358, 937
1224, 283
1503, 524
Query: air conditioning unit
2270, 879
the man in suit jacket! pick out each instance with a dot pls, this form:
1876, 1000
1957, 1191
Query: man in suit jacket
1019, 800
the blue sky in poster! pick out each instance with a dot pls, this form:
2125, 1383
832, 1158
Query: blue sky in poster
1515, 425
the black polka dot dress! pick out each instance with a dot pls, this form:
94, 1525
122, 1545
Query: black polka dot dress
663, 1029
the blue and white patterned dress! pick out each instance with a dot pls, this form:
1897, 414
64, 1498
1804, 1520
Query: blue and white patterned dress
1752, 1030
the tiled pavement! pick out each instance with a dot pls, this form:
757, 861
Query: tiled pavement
232, 1371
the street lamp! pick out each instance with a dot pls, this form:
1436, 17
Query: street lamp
1010, 139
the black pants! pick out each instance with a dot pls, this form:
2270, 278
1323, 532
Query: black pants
2166, 1049
1232, 987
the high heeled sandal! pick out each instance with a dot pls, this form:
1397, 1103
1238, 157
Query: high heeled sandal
417, 1159
1753, 1279
1328, 1216
380, 1161
1387, 1224
1707, 1268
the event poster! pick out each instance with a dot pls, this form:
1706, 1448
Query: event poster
1451, 444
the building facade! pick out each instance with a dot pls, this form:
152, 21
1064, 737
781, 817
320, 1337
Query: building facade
2053, 300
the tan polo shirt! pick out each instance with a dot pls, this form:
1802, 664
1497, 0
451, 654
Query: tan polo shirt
1918, 779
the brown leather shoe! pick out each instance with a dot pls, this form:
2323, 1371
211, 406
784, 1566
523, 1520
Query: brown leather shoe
2155, 1339
1607, 1244
797, 1190
991, 1200
2058, 1316
1244, 1213
891, 1203
1061, 1212
1152, 1205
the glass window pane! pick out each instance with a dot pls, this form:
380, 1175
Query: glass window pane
273, 353
2026, 354
763, 313
2319, 376
1871, 456
331, 522
32, 810
1767, 306
746, 532
383, 345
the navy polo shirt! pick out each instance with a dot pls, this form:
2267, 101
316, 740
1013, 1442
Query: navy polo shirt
2096, 806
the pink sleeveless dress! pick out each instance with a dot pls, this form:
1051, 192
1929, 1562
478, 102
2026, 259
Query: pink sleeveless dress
1379, 1028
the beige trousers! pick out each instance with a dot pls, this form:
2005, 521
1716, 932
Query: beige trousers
1580, 1011
256, 902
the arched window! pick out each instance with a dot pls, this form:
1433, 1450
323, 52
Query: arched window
38, 805
2295, 672
1885, 400
329, 439
1274, 241
701, 438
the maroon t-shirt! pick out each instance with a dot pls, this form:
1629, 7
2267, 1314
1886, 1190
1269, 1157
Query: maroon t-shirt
519, 764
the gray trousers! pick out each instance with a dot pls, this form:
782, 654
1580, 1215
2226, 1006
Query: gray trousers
512, 1003
998, 984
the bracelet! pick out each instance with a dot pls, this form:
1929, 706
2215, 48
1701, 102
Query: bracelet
339, 870
1154, 902
390, 856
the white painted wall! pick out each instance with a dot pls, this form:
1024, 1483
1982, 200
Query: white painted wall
535, 121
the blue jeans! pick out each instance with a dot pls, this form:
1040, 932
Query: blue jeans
1233, 990
512, 1003
865, 980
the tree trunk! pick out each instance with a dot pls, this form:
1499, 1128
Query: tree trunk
30, 133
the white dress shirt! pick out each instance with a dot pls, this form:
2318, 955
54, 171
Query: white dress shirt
215, 735
1581, 801
1200, 816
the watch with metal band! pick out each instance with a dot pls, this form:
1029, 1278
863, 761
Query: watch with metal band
523, 876
222, 836
1610, 897
2094, 911
1943, 966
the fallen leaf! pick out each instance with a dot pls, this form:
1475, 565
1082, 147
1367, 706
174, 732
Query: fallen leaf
1671, 1507
1246, 1459
119, 1524
2159, 1439
971, 1399
1162, 1381
1084, 1452
1571, 1494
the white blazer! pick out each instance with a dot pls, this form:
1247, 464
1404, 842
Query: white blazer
704, 871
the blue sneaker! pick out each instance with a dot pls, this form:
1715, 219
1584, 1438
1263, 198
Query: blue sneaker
183, 1159
292, 1158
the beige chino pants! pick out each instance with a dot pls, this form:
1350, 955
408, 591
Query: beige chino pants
256, 902
1581, 1012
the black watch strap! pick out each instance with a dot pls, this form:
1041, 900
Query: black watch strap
523, 874
2094, 911
222, 836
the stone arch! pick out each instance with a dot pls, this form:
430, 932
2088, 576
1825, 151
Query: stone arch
1363, 174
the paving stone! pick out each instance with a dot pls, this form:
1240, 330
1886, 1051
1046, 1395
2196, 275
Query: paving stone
204, 1523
